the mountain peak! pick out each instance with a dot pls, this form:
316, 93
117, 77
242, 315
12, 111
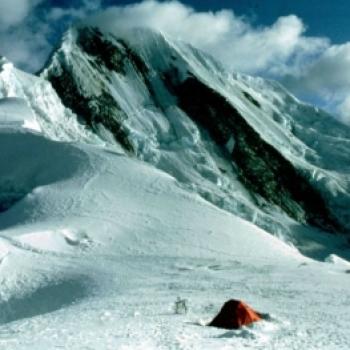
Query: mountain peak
168, 103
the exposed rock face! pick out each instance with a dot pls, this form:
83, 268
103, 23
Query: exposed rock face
102, 110
95, 110
260, 166
95, 74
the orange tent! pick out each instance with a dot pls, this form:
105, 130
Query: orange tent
235, 314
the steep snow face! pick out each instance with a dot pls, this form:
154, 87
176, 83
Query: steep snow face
39, 99
143, 116
243, 143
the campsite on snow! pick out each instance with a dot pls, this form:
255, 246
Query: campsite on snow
152, 199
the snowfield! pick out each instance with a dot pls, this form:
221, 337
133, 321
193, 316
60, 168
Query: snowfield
98, 248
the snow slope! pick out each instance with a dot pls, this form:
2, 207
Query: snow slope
153, 88
98, 248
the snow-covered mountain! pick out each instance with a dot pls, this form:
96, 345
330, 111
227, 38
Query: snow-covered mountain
243, 143
135, 170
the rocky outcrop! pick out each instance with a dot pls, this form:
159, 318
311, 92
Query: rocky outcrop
98, 71
94, 110
261, 168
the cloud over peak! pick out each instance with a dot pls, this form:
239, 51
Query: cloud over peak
310, 66
13, 12
231, 39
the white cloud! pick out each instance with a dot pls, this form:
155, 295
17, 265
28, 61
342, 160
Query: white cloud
78, 12
172, 17
310, 66
274, 50
230, 38
343, 109
26, 31
326, 72
14, 11
327, 78
30, 49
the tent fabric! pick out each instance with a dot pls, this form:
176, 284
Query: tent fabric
235, 314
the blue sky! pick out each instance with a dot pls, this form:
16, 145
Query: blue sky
305, 44
323, 17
